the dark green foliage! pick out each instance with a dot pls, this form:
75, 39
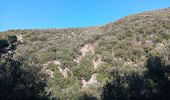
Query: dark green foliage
85, 68
17, 82
12, 39
87, 97
3, 45
153, 85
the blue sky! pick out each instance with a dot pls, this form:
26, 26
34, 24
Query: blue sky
26, 14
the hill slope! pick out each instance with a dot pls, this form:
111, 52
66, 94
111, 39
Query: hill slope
80, 60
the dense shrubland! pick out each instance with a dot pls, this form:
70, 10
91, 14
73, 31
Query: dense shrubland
18, 81
131, 50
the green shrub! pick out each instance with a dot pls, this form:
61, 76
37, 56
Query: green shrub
85, 69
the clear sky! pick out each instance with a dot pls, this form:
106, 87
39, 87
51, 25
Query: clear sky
26, 14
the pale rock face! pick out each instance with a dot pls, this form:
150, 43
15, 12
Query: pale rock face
159, 46
128, 63
64, 72
19, 37
93, 80
48, 71
85, 49
57, 62
97, 62
149, 42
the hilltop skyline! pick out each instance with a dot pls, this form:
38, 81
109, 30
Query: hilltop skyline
31, 14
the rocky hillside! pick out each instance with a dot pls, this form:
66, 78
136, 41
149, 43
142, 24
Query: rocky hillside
77, 62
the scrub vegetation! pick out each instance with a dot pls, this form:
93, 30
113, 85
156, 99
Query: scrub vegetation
128, 59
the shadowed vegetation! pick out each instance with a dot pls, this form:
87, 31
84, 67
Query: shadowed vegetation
152, 85
17, 82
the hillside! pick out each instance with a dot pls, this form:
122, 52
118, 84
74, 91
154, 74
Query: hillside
78, 62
